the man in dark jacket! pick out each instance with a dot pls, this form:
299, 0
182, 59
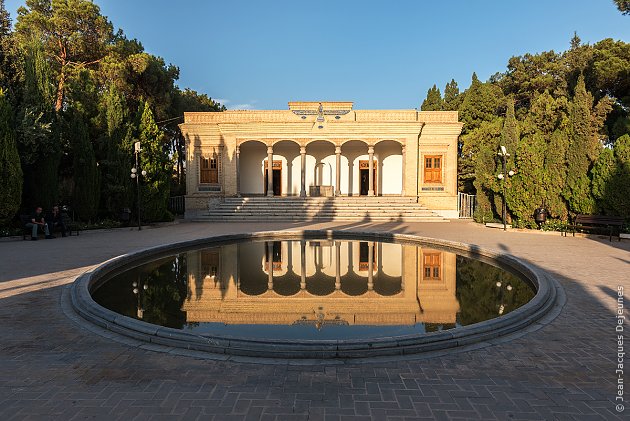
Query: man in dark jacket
37, 222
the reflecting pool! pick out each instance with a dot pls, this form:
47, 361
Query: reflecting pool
314, 289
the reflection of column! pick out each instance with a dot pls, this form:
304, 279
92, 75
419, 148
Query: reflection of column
269, 170
269, 245
303, 264
238, 171
370, 266
337, 265
371, 169
302, 171
338, 174
404, 169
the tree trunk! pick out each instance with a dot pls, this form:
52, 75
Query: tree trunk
60, 88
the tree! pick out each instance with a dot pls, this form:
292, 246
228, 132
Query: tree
154, 160
584, 147
623, 6
611, 179
481, 102
73, 32
8, 55
433, 101
10, 168
85, 197
452, 98
37, 129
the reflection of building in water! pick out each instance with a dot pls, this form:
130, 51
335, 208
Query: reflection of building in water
319, 281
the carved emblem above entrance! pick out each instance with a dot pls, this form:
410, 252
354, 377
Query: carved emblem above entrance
320, 112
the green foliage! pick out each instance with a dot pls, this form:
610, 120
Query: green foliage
611, 179
452, 97
10, 168
480, 104
623, 6
154, 160
73, 32
583, 149
86, 193
433, 101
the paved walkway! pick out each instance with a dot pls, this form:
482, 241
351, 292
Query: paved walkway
52, 368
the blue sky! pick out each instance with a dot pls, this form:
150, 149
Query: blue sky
379, 54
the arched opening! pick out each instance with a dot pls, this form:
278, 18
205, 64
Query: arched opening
320, 168
253, 154
389, 179
354, 151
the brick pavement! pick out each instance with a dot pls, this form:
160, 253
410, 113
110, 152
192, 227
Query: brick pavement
53, 368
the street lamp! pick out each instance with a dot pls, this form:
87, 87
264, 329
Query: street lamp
501, 176
138, 290
501, 305
136, 175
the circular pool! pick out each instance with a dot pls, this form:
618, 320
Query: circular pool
313, 294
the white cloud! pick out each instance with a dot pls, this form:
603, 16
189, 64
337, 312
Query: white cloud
246, 106
222, 101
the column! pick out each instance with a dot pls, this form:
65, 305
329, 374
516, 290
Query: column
269, 170
337, 265
303, 264
269, 245
404, 169
370, 266
338, 173
371, 169
238, 171
303, 171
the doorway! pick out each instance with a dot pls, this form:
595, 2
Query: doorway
364, 177
276, 178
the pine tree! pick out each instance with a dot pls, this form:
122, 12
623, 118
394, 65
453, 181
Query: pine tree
433, 101
10, 168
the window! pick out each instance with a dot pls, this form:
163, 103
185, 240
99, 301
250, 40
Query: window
432, 266
433, 168
209, 170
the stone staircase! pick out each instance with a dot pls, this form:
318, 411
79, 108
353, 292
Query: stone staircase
354, 208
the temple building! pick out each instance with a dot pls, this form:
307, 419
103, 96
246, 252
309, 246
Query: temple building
322, 150
321, 282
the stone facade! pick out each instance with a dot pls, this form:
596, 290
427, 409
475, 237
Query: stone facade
322, 148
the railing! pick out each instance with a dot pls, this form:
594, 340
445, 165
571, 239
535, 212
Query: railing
176, 205
466, 204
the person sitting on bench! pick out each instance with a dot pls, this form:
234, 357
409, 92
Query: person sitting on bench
55, 220
37, 221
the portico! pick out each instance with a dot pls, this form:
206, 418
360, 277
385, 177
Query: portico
322, 149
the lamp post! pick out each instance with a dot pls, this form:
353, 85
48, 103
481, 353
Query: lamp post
501, 176
139, 289
136, 175
501, 305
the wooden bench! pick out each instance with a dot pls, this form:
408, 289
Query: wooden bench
597, 223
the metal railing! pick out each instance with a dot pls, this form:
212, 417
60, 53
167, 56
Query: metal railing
177, 205
466, 205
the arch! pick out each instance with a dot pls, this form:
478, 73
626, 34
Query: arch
353, 151
320, 161
288, 151
388, 154
387, 285
253, 154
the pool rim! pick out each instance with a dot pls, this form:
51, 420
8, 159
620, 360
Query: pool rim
518, 319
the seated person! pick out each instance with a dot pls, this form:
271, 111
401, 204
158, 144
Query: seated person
37, 221
55, 219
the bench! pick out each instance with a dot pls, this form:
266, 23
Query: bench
611, 224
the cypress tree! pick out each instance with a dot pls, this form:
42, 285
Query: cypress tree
433, 101
155, 161
583, 148
10, 168
86, 179
452, 98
